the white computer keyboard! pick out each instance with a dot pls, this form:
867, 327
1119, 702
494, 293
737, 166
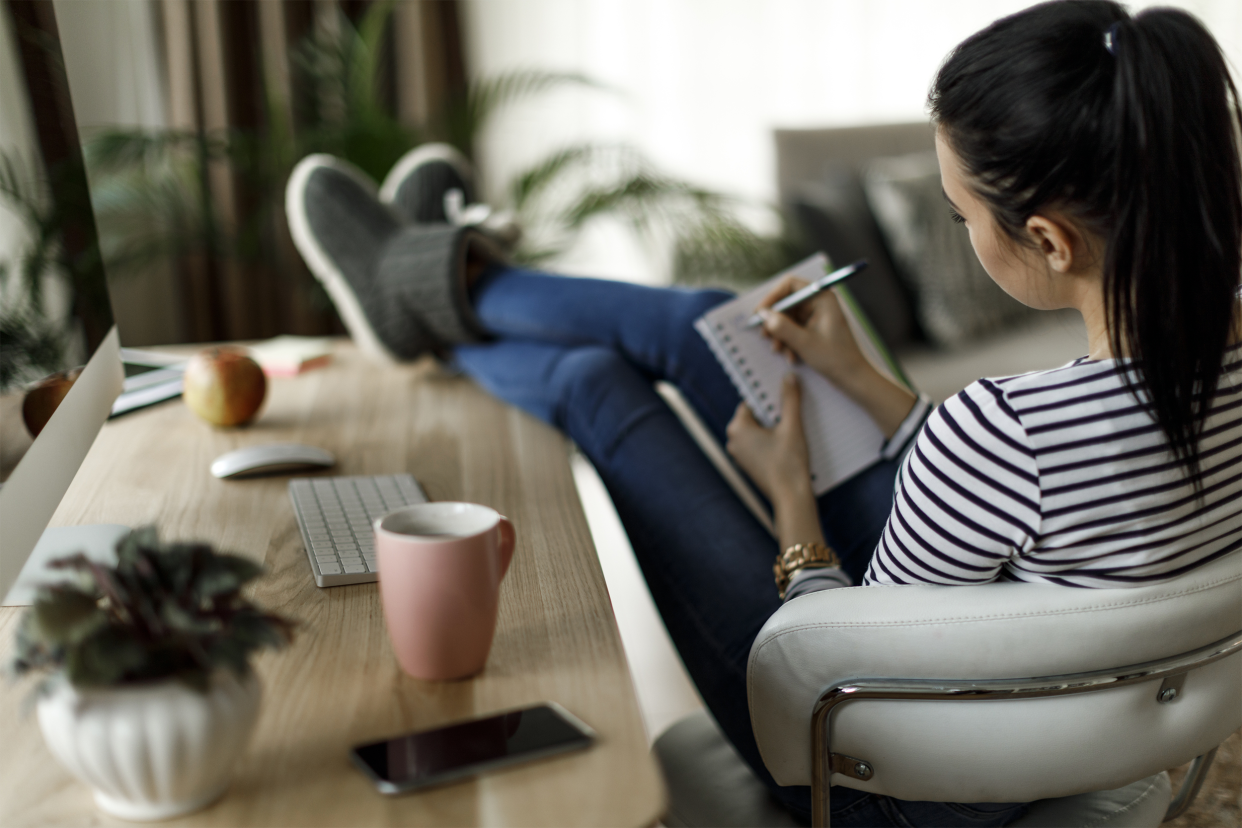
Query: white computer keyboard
336, 516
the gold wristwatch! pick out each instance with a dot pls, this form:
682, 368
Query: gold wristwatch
800, 556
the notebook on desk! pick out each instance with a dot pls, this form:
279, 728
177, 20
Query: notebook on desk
841, 437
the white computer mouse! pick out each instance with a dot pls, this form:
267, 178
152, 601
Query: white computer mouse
270, 458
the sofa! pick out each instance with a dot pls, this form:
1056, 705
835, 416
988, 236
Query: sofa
873, 192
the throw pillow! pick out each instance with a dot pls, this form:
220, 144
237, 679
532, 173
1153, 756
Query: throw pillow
833, 216
955, 299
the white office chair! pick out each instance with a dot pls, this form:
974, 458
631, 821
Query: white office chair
1077, 698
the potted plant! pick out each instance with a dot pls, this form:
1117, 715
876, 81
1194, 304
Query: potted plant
148, 694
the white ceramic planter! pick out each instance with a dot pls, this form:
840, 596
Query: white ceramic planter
151, 751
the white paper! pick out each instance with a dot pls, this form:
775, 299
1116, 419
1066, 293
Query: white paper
841, 437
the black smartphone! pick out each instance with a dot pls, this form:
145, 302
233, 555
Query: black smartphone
457, 751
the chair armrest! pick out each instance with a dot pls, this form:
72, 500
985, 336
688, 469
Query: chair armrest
999, 630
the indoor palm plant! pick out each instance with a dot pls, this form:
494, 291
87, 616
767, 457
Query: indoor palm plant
34, 333
148, 694
153, 202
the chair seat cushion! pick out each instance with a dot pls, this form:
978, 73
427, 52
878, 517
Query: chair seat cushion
710, 785
1141, 803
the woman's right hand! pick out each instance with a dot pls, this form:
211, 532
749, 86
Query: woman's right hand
816, 331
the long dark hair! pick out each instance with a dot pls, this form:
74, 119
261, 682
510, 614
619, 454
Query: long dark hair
1129, 125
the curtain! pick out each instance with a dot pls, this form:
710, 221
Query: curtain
231, 70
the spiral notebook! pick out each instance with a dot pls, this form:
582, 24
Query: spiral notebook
842, 438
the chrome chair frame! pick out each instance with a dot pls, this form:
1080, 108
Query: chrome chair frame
1172, 670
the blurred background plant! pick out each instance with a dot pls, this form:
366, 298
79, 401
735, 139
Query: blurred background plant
43, 281
152, 193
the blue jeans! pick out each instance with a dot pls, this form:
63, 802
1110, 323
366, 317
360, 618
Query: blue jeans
582, 354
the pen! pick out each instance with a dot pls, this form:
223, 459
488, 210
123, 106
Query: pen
810, 290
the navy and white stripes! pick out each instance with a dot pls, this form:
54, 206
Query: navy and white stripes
1061, 477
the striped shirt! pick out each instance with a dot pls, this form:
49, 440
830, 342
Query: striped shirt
1062, 477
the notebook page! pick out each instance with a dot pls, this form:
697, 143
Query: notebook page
841, 437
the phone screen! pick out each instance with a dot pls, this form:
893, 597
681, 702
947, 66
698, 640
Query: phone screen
455, 751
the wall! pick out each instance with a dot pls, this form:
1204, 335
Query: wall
702, 83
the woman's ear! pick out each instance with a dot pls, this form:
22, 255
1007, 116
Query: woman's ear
1058, 242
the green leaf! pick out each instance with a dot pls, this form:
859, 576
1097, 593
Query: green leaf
721, 251
555, 167
223, 575
465, 118
32, 651
104, 658
367, 62
179, 620
63, 616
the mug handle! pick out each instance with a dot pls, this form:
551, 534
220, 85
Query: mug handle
508, 539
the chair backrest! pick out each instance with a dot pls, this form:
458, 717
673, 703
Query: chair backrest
996, 751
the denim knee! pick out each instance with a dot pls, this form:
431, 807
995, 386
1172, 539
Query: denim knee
687, 308
600, 398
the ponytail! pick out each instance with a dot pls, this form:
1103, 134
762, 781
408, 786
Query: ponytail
1130, 125
1173, 258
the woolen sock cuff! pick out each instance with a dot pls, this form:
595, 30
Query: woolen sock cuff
422, 273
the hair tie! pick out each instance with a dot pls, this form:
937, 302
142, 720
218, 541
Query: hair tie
1110, 38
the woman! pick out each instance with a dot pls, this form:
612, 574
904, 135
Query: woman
1092, 156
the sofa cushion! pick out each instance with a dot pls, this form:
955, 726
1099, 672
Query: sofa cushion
833, 216
955, 299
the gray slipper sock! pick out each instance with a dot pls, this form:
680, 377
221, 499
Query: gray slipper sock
422, 272
341, 231
421, 194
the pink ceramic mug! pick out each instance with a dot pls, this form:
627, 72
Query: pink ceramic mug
440, 567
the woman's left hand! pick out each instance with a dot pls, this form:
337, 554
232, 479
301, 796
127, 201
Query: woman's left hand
775, 458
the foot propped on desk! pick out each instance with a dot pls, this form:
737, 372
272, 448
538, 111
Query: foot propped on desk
96, 540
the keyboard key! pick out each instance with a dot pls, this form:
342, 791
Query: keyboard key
336, 517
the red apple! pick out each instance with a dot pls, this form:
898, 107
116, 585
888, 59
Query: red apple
43, 397
224, 386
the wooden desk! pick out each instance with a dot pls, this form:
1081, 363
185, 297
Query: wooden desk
339, 683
